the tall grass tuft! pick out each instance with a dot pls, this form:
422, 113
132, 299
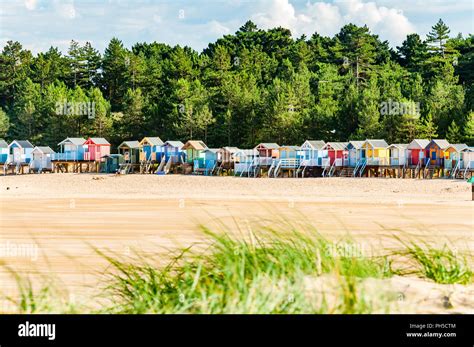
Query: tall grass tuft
442, 265
264, 274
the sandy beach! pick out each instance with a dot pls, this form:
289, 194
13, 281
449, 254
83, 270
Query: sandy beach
54, 221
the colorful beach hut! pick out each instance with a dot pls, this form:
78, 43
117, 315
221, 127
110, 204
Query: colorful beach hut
41, 159
3, 151
376, 152
245, 162
193, 149
356, 153
436, 152
70, 149
416, 152
453, 155
174, 150
130, 150
267, 152
207, 161
398, 154
20, 152
334, 153
112, 163
467, 158
312, 152
225, 158
151, 149
289, 159
95, 148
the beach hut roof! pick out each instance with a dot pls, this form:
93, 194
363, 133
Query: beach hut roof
130, 144
213, 150
231, 150
377, 143
468, 149
294, 148
268, 145
43, 149
314, 144
98, 141
247, 152
22, 143
356, 144
418, 143
458, 147
176, 144
399, 145
77, 141
195, 144
3, 143
154, 141
338, 146
441, 143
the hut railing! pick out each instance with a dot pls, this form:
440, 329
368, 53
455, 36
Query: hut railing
289, 163
265, 160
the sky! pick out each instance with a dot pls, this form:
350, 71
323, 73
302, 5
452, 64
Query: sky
40, 24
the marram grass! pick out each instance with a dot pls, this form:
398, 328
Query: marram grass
273, 273
263, 275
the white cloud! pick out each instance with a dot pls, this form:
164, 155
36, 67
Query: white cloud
65, 9
31, 4
327, 18
217, 28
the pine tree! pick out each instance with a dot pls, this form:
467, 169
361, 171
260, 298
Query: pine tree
427, 129
438, 36
454, 133
4, 123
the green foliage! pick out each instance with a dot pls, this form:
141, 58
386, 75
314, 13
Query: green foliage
260, 275
442, 265
4, 123
255, 85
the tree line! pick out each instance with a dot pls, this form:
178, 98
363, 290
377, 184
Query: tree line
249, 87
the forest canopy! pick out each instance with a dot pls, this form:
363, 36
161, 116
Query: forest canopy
253, 86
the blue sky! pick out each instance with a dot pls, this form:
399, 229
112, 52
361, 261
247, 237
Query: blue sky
39, 24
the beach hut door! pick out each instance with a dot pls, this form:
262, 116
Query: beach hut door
16, 154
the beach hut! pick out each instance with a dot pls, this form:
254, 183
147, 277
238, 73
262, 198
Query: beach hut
356, 153
416, 152
289, 158
436, 152
334, 153
41, 159
467, 158
3, 151
398, 154
20, 152
311, 151
225, 158
174, 150
70, 149
193, 149
246, 162
453, 155
376, 152
95, 148
130, 150
207, 161
112, 163
151, 149
267, 152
